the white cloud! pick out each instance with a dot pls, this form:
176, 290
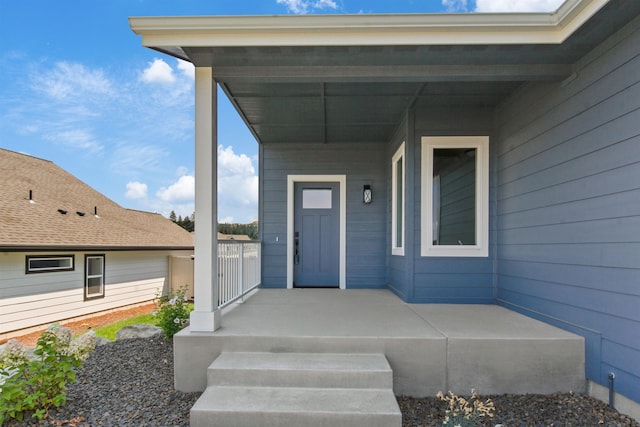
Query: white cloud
182, 170
158, 71
325, 4
455, 5
226, 220
187, 69
516, 5
135, 157
183, 190
232, 164
82, 139
300, 7
237, 186
136, 190
237, 190
71, 81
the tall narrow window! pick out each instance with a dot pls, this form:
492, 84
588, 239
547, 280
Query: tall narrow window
94, 276
455, 196
397, 201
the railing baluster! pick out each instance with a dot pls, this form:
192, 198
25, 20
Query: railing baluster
238, 269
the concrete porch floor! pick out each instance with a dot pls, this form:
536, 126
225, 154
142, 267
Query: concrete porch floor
430, 347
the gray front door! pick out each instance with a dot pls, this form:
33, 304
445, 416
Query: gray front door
316, 239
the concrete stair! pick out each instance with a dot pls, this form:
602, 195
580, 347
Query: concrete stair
298, 389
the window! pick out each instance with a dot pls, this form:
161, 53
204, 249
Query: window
397, 202
94, 276
455, 196
46, 263
316, 198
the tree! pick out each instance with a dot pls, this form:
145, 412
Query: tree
250, 230
187, 222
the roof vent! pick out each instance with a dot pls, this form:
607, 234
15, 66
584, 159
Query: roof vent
80, 213
95, 212
31, 197
62, 211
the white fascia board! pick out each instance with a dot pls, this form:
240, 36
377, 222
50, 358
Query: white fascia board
363, 30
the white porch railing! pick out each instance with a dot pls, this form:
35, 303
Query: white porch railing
238, 269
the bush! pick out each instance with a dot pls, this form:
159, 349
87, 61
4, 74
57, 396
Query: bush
465, 413
40, 383
173, 312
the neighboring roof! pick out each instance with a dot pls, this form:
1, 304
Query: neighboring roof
233, 237
40, 224
350, 78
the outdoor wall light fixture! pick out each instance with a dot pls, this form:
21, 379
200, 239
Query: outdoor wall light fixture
367, 195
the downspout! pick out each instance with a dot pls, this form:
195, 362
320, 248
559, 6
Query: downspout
612, 378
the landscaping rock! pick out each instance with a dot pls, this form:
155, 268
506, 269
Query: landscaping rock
138, 331
102, 341
130, 384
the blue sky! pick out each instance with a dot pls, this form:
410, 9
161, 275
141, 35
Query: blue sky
77, 88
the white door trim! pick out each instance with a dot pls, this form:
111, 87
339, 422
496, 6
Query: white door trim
342, 181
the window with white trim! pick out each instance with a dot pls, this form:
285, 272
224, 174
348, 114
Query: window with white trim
397, 201
455, 196
49, 263
94, 276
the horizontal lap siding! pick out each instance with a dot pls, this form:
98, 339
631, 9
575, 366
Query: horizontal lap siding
28, 300
366, 231
569, 206
454, 279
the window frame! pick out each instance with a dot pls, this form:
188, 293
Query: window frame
30, 270
481, 145
87, 257
399, 155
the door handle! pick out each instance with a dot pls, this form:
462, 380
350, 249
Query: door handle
296, 250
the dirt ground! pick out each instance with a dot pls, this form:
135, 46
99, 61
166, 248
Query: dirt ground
84, 325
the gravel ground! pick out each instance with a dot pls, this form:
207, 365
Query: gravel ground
130, 383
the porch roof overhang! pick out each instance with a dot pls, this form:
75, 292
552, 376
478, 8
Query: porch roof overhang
350, 78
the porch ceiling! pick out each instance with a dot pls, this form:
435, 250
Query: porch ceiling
298, 91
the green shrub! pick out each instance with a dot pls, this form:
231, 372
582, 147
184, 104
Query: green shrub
38, 384
173, 312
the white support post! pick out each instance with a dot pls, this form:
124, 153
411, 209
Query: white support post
206, 316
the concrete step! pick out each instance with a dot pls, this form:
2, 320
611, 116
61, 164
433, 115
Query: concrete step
222, 406
301, 370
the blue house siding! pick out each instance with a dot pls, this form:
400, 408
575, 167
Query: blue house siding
568, 174
452, 279
366, 237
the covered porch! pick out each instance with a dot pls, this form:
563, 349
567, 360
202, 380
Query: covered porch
430, 347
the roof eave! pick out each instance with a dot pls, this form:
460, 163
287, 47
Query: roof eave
170, 33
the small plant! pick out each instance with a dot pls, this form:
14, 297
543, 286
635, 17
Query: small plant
465, 413
38, 384
173, 312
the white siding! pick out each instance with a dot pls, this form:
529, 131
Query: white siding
28, 300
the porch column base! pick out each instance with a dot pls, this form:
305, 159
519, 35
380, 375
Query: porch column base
205, 321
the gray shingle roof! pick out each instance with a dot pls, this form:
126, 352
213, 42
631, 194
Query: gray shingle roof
26, 225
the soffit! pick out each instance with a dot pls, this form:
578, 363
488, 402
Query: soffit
338, 92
